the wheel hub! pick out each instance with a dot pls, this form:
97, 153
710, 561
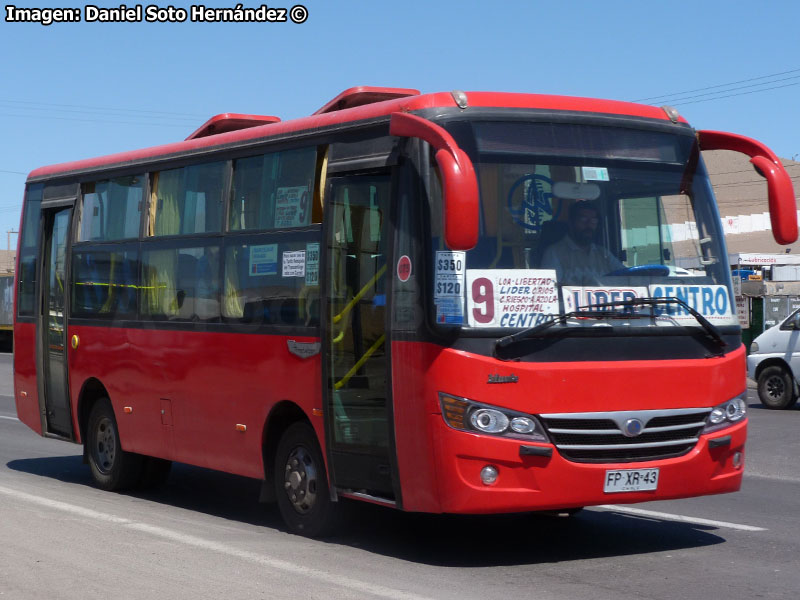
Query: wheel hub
300, 480
105, 445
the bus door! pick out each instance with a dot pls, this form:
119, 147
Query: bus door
52, 330
357, 403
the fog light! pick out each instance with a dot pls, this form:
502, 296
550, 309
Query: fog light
737, 460
489, 475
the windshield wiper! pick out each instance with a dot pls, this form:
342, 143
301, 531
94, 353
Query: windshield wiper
593, 312
583, 313
708, 326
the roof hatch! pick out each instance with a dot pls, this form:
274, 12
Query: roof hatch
231, 122
358, 96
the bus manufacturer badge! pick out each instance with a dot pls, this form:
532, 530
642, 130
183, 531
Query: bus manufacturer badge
303, 349
632, 427
495, 378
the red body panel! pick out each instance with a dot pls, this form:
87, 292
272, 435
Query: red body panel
439, 468
212, 382
26, 391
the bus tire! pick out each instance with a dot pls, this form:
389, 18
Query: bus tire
301, 484
776, 388
112, 468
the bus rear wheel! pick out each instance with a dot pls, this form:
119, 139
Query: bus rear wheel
112, 468
301, 485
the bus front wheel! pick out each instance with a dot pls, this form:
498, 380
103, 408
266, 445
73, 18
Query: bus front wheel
301, 486
112, 468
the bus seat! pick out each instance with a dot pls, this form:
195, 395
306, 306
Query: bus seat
255, 311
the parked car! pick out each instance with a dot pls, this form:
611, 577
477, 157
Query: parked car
774, 362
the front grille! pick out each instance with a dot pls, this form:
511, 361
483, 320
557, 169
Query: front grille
600, 437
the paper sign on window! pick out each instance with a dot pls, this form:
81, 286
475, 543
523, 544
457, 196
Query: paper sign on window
291, 207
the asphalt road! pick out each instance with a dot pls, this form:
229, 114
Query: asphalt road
204, 535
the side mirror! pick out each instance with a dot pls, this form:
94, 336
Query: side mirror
460, 210
782, 205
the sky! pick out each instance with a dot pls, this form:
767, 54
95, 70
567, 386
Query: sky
77, 90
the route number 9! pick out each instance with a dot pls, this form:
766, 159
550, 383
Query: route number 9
483, 294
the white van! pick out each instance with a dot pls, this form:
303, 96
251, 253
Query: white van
774, 362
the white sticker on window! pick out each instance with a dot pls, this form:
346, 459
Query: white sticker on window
595, 173
449, 278
711, 301
576, 297
511, 297
263, 260
448, 286
312, 263
294, 264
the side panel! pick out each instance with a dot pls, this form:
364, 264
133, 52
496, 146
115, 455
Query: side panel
414, 403
26, 392
213, 382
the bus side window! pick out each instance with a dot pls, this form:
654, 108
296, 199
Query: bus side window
274, 190
104, 283
29, 251
110, 209
181, 284
188, 200
271, 283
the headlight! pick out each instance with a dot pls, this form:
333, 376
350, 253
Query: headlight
489, 420
754, 348
726, 414
466, 415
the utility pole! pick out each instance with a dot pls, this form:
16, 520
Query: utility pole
8, 260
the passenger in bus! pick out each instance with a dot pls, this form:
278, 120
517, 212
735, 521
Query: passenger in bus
576, 258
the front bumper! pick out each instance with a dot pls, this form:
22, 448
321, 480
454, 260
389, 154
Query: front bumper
529, 482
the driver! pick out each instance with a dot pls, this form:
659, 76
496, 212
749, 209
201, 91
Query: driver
576, 259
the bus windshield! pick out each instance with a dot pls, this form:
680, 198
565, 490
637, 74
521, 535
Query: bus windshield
578, 216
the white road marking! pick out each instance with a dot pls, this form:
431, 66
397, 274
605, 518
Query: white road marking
680, 518
361, 587
9, 418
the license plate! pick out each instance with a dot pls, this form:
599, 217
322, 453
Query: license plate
631, 480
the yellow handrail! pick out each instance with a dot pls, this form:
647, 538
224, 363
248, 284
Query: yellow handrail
359, 295
378, 343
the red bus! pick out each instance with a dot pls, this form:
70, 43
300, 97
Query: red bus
447, 303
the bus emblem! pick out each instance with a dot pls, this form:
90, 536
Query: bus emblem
494, 378
632, 427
